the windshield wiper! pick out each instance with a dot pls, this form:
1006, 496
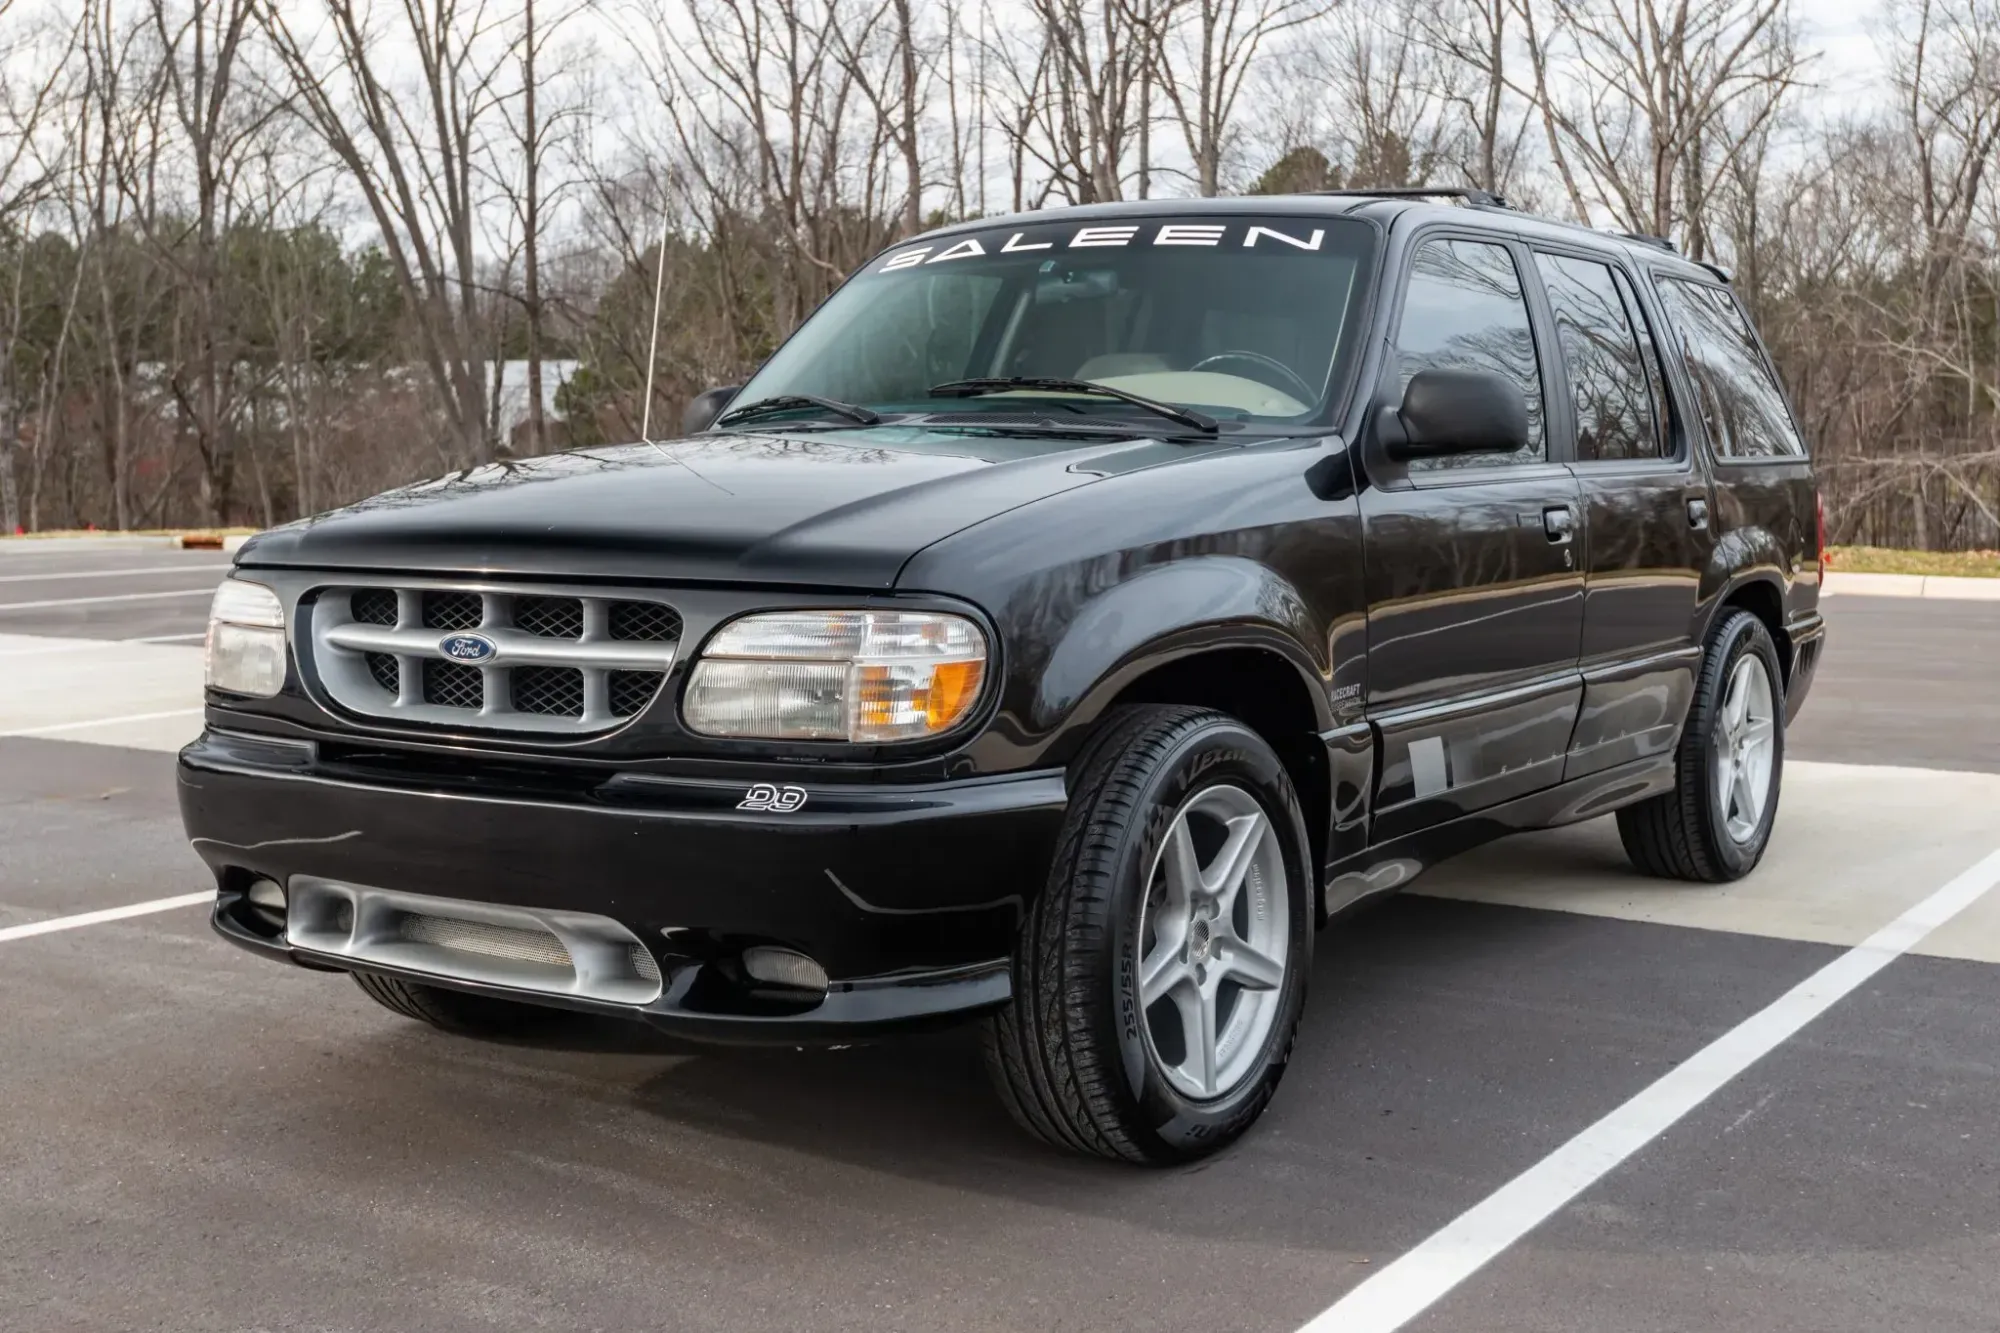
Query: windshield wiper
973, 388
861, 416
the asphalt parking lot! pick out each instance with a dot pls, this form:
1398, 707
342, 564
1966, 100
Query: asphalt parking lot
193, 1139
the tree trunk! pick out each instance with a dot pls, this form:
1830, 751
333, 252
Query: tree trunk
531, 277
906, 42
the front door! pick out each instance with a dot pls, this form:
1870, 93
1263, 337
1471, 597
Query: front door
1474, 572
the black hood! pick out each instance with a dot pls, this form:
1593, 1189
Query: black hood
842, 509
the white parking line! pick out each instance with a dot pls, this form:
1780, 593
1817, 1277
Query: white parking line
1412, 1284
114, 573
100, 722
108, 914
120, 597
96, 645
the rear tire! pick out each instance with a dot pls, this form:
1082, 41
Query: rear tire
1181, 874
458, 1012
1714, 825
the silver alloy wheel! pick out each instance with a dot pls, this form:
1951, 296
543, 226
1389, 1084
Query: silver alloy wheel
1746, 743
1214, 938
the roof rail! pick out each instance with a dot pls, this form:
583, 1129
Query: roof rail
1475, 198
1657, 242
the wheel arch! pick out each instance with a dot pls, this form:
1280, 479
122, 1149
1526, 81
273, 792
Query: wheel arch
1219, 632
1764, 599
1266, 693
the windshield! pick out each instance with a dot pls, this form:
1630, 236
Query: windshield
1247, 320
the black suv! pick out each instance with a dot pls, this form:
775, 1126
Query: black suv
1073, 616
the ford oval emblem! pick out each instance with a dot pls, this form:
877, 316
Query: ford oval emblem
468, 647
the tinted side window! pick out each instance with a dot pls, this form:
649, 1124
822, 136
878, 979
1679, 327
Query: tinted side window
1600, 349
1464, 311
1657, 392
1741, 403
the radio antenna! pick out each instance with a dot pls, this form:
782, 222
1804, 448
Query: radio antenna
653, 350
653, 343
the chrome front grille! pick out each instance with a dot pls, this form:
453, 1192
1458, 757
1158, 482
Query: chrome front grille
561, 663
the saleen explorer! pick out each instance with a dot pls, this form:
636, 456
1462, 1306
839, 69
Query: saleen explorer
1073, 616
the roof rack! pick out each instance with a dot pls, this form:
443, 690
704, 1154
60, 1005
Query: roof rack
1475, 198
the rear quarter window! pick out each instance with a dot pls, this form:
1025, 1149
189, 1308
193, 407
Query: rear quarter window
1738, 396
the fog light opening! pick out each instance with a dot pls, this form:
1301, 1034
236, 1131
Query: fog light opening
783, 967
266, 900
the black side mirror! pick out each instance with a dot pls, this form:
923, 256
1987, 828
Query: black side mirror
1448, 412
705, 407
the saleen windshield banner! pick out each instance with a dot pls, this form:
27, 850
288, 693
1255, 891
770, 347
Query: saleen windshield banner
1263, 234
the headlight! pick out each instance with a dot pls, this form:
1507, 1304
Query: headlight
861, 676
246, 639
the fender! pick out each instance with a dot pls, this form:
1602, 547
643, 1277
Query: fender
1173, 611
1742, 557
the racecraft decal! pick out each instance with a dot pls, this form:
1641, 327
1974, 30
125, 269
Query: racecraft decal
763, 796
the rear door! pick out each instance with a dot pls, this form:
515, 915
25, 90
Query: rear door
1647, 526
1475, 590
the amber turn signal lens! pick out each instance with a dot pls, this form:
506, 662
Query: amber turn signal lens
954, 685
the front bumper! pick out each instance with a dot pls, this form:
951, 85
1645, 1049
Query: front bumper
910, 896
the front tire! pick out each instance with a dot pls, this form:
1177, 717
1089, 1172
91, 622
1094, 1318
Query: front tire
1714, 825
458, 1012
1160, 975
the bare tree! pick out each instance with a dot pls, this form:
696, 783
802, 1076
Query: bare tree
1475, 38
534, 128
26, 182
410, 154
1200, 52
201, 52
1647, 104
1071, 78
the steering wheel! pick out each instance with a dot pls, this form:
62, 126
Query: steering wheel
1287, 379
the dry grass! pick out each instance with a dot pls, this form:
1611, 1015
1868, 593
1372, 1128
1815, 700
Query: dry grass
1878, 560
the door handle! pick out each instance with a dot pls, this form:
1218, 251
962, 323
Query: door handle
1698, 514
1559, 524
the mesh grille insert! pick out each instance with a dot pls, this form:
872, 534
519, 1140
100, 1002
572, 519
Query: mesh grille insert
549, 617
452, 684
565, 660
375, 606
387, 674
644, 622
557, 691
452, 610
631, 691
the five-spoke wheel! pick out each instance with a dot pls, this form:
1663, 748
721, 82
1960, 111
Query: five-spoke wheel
1213, 931
1160, 974
1714, 823
1744, 750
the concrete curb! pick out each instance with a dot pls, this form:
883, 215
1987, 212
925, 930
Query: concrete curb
1936, 586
